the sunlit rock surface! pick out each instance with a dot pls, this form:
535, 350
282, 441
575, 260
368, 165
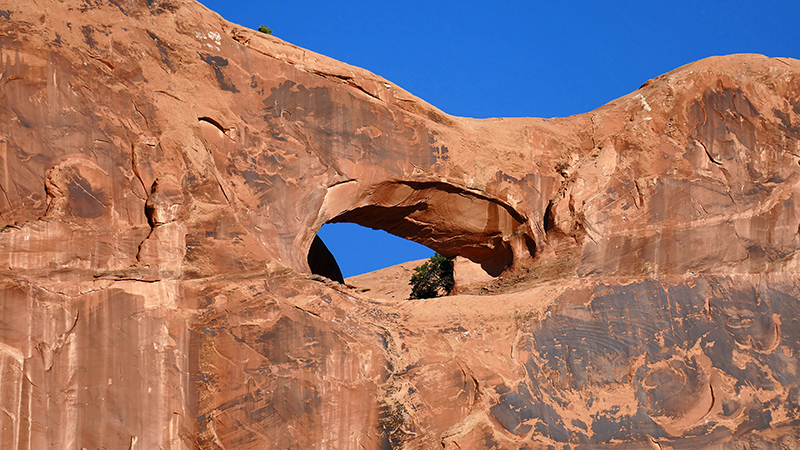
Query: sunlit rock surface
164, 174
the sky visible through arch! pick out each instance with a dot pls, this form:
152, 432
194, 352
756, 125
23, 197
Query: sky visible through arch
514, 58
360, 250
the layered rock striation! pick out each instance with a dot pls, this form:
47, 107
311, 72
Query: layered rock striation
164, 174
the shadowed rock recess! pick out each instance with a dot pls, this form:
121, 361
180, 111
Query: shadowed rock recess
163, 177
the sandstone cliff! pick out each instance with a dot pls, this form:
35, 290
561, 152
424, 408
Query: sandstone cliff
164, 174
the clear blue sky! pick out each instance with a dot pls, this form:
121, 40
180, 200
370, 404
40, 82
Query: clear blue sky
514, 58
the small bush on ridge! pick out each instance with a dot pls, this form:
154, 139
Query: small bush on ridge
433, 278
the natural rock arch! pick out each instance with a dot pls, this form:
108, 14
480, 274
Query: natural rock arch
451, 220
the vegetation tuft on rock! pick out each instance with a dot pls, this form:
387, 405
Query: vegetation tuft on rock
433, 278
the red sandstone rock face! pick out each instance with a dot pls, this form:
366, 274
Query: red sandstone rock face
164, 174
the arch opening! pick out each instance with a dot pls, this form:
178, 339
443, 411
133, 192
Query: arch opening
450, 220
357, 250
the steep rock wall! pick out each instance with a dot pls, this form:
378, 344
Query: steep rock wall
164, 174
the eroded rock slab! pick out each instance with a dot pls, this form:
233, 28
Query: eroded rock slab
164, 174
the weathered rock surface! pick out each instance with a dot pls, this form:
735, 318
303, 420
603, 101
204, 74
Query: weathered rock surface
164, 174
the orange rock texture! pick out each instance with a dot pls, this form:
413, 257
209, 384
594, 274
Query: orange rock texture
164, 174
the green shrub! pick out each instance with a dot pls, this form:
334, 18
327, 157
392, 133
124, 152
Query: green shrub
265, 29
433, 278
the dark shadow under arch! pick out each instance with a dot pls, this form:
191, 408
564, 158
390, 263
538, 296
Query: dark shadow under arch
322, 262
